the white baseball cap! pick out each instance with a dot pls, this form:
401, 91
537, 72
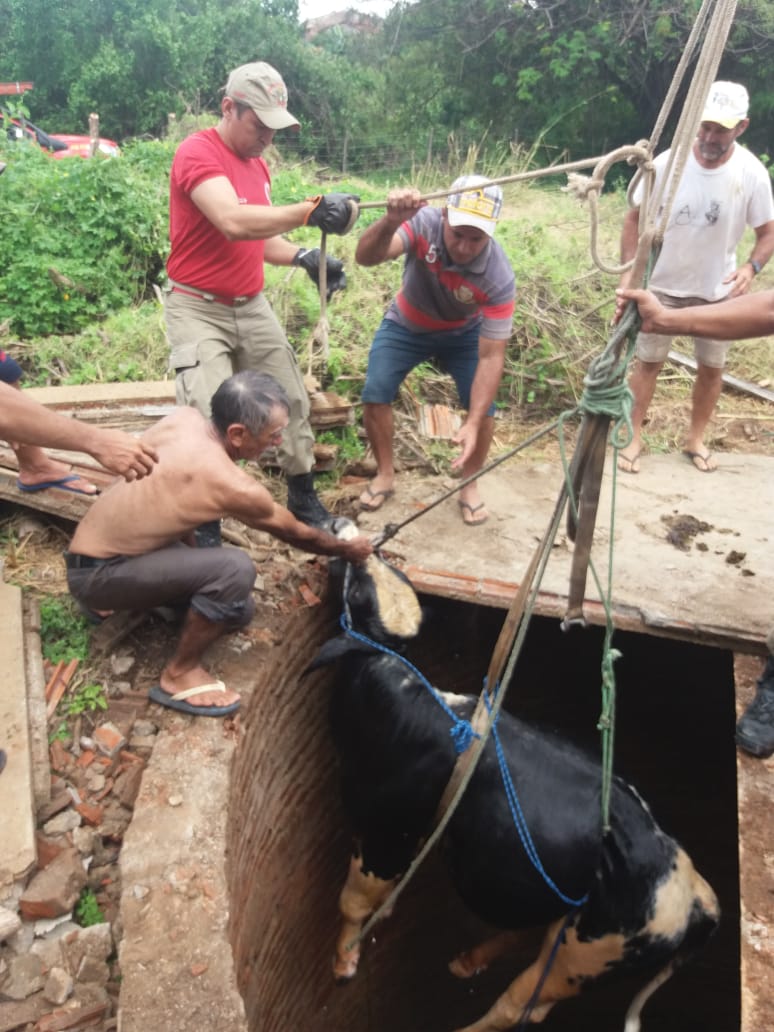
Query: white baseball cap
474, 201
727, 104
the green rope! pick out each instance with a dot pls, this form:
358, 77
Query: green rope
606, 392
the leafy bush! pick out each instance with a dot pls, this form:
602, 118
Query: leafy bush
80, 238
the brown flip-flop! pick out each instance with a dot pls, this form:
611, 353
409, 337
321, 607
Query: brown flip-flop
382, 497
472, 510
632, 464
707, 460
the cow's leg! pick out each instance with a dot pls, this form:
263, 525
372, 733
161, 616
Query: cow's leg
474, 961
574, 963
361, 896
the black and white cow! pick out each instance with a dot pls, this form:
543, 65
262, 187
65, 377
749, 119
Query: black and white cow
630, 900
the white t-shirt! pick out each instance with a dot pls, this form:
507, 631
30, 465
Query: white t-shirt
711, 209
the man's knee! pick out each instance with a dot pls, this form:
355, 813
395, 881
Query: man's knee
228, 599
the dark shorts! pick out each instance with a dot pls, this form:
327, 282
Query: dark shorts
10, 370
216, 582
396, 351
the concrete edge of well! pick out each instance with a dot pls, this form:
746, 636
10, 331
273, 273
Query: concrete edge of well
175, 956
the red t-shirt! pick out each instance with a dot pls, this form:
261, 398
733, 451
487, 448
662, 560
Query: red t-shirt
201, 255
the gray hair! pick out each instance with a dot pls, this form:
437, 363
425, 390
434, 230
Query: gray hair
248, 398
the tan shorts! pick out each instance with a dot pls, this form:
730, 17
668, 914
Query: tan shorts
654, 347
210, 341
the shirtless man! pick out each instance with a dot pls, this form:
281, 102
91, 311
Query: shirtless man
131, 550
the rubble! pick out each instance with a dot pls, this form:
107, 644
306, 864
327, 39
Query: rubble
57, 970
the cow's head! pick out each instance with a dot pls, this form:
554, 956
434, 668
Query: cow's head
379, 601
379, 604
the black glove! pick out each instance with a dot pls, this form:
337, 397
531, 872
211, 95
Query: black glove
335, 277
334, 212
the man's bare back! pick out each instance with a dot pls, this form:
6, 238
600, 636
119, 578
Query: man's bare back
197, 482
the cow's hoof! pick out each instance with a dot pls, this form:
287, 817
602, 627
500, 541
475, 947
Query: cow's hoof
344, 970
463, 966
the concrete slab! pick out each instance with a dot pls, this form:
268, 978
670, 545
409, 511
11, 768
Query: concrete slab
17, 842
176, 963
712, 583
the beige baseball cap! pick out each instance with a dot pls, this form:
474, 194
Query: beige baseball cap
262, 88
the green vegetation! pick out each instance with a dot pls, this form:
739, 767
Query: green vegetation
565, 77
64, 633
88, 698
87, 910
80, 238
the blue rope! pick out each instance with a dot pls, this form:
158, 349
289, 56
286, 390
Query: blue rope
519, 820
461, 731
534, 998
462, 734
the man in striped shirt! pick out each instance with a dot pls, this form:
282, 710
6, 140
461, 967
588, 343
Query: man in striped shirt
455, 307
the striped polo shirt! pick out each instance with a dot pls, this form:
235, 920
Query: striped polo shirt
436, 296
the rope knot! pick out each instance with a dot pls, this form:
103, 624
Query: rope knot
462, 735
582, 186
636, 157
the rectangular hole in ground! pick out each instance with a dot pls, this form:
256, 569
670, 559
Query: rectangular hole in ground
674, 742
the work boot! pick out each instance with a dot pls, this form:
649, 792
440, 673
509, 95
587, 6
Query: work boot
207, 535
305, 505
755, 729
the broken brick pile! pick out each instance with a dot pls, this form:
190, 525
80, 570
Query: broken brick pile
54, 974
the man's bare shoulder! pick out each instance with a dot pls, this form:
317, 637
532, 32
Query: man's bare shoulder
183, 420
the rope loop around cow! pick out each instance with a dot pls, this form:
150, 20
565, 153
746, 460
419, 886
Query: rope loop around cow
519, 819
461, 731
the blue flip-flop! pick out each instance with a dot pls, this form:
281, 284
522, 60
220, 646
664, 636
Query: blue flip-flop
178, 702
60, 482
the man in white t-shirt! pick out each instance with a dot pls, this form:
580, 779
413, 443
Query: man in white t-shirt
722, 190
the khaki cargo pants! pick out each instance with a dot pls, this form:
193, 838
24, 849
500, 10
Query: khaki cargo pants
210, 341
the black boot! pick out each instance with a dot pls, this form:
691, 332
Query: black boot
305, 505
755, 729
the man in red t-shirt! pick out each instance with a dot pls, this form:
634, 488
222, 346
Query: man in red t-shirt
222, 228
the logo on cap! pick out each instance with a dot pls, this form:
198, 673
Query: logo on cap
727, 104
475, 201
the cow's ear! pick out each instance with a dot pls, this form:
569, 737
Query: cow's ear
333, 650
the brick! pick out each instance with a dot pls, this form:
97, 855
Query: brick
59, 802
54, 891
61, 1020
109, 740
91, 813
60, 757
127, 786
48, 849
